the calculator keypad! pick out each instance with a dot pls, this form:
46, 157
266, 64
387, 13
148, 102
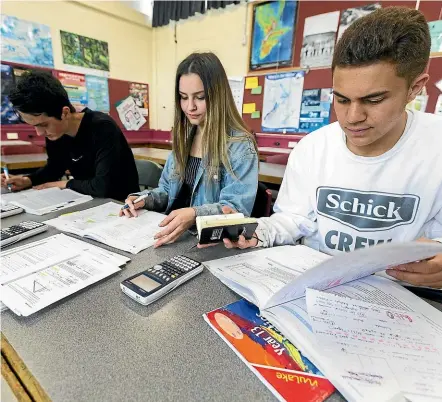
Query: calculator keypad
19, 229
174, 268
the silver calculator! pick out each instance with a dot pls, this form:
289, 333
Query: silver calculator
148, 286
9, 210
21, 231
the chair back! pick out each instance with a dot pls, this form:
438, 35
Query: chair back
149, 173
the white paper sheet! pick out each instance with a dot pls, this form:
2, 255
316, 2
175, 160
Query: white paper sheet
237, 87
130, 114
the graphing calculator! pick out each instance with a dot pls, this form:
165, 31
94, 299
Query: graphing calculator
21, 231
148, 286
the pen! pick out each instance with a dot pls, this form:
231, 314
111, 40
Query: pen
6, 172
140, 198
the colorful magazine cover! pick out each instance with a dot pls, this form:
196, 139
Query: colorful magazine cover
275, 361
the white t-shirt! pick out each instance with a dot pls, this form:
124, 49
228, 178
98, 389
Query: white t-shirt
338, 201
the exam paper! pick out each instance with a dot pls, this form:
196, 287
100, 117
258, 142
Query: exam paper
381, 351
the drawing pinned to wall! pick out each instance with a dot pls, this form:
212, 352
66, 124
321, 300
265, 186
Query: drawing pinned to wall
97, 93
315, 109
26, 42
350, 15
139, 93
436, 36
130, 115
319, 40
272, 34
75, 85
84, 52
237, 87
8, 114
282, 102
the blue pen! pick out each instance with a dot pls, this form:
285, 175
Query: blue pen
6, 172
140, 198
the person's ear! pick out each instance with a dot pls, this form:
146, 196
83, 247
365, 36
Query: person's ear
416, 86
65, 113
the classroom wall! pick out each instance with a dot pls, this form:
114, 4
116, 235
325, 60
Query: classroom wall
220, 31
130, 41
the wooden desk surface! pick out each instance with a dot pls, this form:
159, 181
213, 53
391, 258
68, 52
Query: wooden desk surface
268, 172
23, 161
11, 143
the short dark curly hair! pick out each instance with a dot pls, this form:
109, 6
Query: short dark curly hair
39, 92
399, 35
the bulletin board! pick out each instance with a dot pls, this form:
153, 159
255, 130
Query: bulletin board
322, 77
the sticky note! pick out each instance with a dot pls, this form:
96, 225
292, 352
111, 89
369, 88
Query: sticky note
257, 90
251, 82
256, 115
248, 108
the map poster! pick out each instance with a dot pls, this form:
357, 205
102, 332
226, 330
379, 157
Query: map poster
75, 85
139, 93
319, 40
84, 52
350, 15
97, 93
273, 30
315, 109
26, 42
282, 102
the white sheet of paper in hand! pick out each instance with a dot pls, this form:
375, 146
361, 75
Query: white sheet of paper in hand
394, 348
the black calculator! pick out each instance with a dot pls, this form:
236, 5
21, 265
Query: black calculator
23, 230
148, 286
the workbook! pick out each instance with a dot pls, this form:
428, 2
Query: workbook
103, 224
276, 280
35, 275
281, 367
41, 202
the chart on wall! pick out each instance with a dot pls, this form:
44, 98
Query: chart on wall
350, 15
84, 52
282, 102
315, 109
436, 35
273, 31
97, 93
75, 85
237, 87
139, 93
319, 40
26, 42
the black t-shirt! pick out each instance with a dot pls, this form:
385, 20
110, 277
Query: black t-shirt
98, 157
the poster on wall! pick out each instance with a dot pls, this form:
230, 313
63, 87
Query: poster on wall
9, 116
130, 115
273, 34
84, 52
237, 87
139, 93
319, 40
436, 36
350, 15
282, 102
26, 42
315, 109
97, 93
75, 85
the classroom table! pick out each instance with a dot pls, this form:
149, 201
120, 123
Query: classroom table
99, 345
14, 143
268, 172
23, 161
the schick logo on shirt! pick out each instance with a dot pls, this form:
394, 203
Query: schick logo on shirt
366, 210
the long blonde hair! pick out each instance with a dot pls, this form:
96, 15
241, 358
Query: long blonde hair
221, 118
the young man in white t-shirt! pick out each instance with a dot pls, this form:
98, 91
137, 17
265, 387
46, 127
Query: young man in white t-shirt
374, 176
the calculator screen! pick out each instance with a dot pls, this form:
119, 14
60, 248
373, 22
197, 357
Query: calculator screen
145, 283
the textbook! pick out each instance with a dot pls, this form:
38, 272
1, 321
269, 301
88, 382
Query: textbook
38, 274
103, 224
288, 374
276, 281
214, 228
41, 202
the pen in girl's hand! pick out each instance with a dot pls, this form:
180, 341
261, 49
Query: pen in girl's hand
140, 198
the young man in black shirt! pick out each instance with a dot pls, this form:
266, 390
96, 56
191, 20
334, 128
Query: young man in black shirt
88, 144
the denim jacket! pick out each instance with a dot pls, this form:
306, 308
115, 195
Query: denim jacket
209, 195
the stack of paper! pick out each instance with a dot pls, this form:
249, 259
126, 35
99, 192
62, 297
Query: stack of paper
103, 224
41, 202
38, 274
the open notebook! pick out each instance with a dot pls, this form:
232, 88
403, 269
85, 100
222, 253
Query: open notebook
41, 202
276, 280
103, 224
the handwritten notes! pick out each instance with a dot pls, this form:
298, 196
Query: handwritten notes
376, 349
